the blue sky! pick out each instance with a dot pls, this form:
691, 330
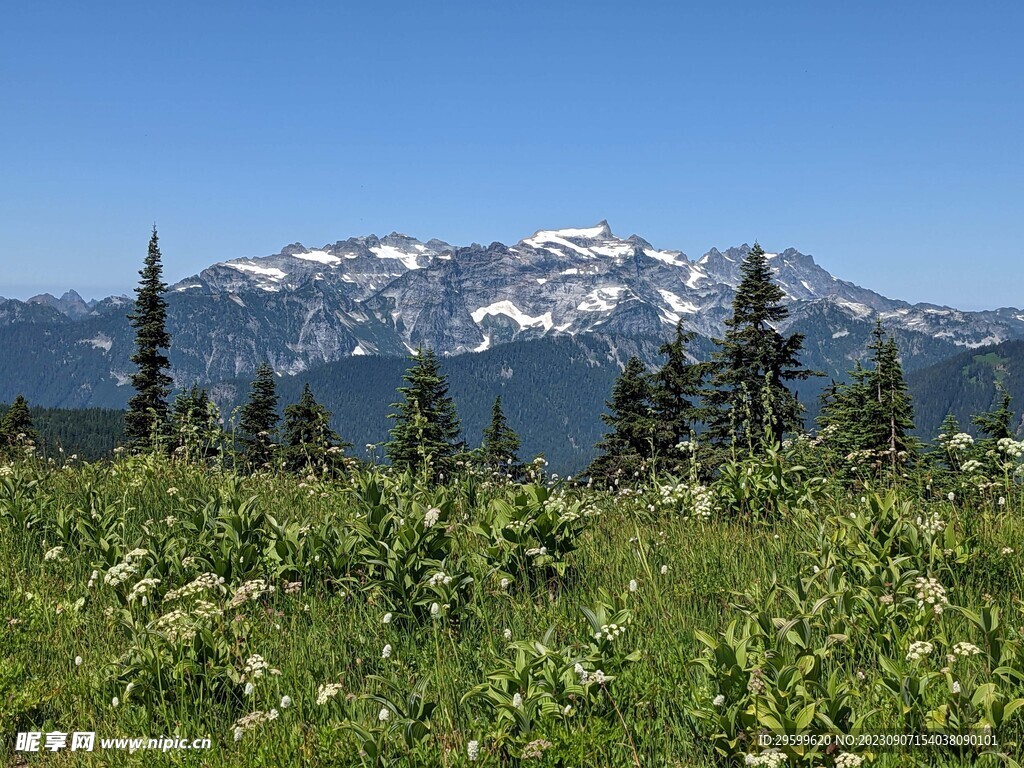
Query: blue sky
884, 138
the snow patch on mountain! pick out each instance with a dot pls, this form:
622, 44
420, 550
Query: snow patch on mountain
409, 260
602, 299
321, 257
509, 309
272, 272
676, 304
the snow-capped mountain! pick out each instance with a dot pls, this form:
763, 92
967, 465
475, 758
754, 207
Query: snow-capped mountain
562, 281
304, 307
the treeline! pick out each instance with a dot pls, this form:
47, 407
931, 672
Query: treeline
740, 402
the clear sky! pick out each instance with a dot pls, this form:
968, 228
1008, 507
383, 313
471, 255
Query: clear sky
886, 138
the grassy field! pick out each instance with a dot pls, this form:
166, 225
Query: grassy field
366, 620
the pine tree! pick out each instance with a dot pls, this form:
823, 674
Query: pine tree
16, 428
259, 419
146, 419
630, 443
754, 363
500, 449
425, 438
308, 435
676, 390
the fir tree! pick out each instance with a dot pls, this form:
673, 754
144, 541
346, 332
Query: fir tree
676, 390
16, 428
630, 443
754, 364
259, 419
500, 449
146, 419
308, 435
426, 432
995, 423
890, 415
872, 413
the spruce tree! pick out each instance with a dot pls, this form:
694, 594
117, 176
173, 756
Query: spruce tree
425, 438
995, 423
631, 416
676, 391
308, 435
146, 419
873, 413
259, 419
754, 364
890, 415
500, 449
16, 428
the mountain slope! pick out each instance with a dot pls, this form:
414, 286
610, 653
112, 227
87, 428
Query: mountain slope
304, 308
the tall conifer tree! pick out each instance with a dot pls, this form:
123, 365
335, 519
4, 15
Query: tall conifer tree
676, 391
308, 434
755, 363
146, 419
425, 437
16, 427
259, 419
631, 417
500, 449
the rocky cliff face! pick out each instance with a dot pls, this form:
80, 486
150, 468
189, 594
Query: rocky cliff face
303, 308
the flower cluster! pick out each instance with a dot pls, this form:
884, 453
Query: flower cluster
250, 590
609, 632
1010, 447
919, 650
430, 519
932, 523
141, 590
966, 649
55, 554
256, 666
120, 573
930, 594
327, 692
772, 758
250, 721
848, 760
206, 582
958, 442
440, 578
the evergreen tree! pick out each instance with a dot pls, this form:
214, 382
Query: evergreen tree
872, 413
676, 390
632, 419
995, 423
308, 435
426, 432
500, 449
146, 419
195, 425
16, 428
259, 419
890, 415
754, 363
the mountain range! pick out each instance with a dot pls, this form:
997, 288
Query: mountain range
302, 309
